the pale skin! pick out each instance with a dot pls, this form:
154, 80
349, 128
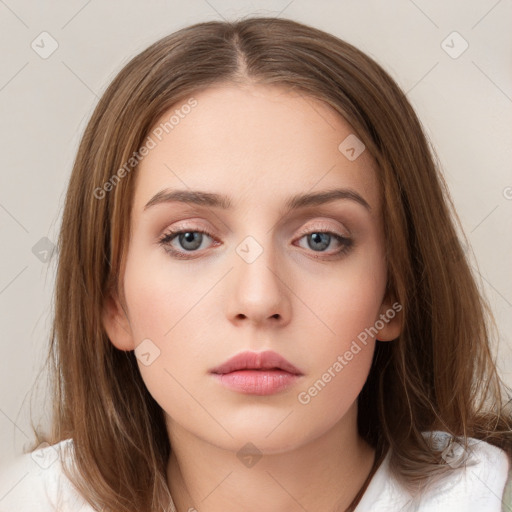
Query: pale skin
258, 145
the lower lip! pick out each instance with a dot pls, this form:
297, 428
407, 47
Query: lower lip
257, 382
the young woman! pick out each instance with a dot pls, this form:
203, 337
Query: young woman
262, 302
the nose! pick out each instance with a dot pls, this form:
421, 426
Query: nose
259, 288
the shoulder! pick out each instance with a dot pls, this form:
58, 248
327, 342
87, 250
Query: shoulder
36, 481
476, 482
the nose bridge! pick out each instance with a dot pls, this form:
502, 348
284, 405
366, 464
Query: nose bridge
256, 250
256, 262
258, 291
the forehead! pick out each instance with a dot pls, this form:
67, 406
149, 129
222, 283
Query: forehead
253, 142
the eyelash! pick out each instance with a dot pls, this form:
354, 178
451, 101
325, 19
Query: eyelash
164, 241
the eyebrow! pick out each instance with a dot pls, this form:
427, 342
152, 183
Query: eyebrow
214, 200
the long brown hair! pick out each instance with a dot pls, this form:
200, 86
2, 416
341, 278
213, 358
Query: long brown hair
439, 374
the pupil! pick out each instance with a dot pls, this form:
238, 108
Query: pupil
191, 237
317, 239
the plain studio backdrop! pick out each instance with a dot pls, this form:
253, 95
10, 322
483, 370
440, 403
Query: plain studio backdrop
453, 60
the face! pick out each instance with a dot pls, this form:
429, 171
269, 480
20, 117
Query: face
258, 275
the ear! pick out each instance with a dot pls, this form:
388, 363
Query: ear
117, 324
390, 319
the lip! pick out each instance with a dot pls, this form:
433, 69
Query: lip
268, 360
257, 373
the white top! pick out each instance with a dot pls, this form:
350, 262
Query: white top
31, 484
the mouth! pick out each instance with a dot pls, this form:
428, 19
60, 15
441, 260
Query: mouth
257, 361
257, 373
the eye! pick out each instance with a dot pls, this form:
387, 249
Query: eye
318, 240
190, 241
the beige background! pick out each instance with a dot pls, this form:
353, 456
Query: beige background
465, 104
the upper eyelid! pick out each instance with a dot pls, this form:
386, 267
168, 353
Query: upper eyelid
321, 218
195, 228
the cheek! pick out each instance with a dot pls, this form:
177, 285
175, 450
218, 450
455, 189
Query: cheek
347, 300
332, 392
347, 306
164, 309
160, 294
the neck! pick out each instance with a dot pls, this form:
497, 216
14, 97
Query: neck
323, 473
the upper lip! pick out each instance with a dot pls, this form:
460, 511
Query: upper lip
256, 361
